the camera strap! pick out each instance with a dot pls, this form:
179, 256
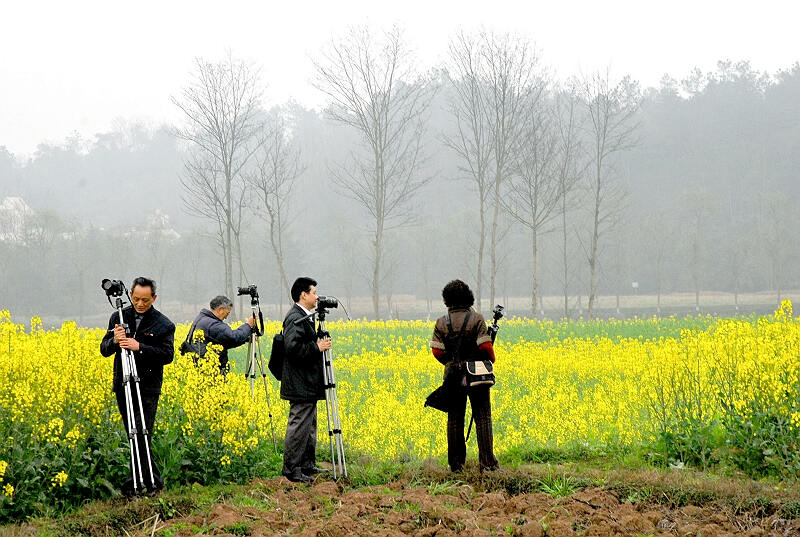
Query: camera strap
191, 330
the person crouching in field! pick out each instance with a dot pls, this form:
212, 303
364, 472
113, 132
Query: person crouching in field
458, 337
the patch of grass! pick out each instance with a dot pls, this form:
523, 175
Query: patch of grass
371, 473
238, 528
558, 486
406, 506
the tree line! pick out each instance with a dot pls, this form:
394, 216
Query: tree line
488, 167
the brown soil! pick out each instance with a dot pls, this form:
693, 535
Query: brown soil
325, 509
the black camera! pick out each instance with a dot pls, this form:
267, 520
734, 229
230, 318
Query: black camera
497, 312
251, 290
113, 287
327, 302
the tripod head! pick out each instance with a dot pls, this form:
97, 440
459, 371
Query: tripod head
252, 290
114, 289
497, 314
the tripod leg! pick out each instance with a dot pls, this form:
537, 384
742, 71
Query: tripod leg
143, 423
133, 439
337, 424
260, 362
329, 405
249, 369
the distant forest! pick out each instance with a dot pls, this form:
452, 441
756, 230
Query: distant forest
700, 194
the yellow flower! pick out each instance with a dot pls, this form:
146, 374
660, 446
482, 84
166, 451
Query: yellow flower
8, 490
59, 479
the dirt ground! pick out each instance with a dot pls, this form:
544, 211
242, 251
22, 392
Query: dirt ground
324, 509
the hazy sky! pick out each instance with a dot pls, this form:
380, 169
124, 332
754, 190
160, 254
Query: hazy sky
78, 66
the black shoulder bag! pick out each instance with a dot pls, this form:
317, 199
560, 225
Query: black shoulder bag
191, 346
277, 356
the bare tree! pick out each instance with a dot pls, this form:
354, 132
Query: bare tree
277, 167
611, 129
534, 190
223, 124
471, 142
511, 71
494, 76
374, 90
571, 167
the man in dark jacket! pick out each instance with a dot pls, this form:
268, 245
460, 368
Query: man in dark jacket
210, 321
302, 382
151, 339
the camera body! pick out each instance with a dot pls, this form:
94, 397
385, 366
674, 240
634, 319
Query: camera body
327, 302
251, 290
497, 312
113, 287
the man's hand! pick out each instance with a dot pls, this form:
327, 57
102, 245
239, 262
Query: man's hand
324, 344
252, 321
119, 333
129, 343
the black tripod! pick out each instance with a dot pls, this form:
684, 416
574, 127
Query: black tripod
133, 397
255, 359
492, 329
331, 402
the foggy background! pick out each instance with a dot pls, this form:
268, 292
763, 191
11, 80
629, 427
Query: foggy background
685, 201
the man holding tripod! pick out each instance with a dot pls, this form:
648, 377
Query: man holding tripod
151, 341
302, 382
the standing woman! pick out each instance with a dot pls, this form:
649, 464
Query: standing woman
461, 336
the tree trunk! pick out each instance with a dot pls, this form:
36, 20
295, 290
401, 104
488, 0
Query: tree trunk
534, 281
566, 260
493, 246
481, 248
376, 273
595, 238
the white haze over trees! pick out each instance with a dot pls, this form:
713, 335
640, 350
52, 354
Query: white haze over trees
543, 192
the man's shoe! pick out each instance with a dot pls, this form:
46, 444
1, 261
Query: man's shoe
315, 470
298, 477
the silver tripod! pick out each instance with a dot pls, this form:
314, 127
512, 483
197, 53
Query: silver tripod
255, 362
133, 397
332, 404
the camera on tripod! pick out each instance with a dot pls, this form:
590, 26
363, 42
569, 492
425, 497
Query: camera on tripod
113, 287
497, 313
327, 302
251, 290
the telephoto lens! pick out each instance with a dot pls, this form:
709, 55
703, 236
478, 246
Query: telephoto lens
327, 302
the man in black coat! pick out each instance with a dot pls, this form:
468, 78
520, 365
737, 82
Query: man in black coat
302, 382
151, 339
210, 321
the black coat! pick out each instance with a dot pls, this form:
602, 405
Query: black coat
216, 331
302, 379
156, 336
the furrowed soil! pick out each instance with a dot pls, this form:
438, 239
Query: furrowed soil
533, 501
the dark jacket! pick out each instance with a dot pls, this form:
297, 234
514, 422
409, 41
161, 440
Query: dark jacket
302, 380
216, 331
156, 335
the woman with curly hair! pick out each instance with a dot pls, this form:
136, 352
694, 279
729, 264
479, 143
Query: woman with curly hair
461, 336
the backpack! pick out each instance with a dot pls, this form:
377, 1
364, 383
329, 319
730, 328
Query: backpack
476, 372
277, 356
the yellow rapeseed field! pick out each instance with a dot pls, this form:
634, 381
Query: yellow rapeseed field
63, 439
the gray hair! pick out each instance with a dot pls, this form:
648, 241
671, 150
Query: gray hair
220, 300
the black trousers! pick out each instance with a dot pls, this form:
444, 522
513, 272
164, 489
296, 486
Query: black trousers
150, 406
480, 402
300, 445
